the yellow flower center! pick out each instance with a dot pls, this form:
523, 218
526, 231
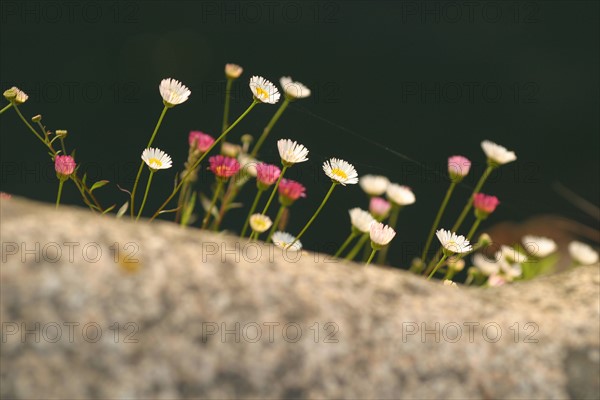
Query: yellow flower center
453, 246
338, 172
262, 93
155, 161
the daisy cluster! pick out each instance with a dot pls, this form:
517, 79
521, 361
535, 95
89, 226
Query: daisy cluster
373, 227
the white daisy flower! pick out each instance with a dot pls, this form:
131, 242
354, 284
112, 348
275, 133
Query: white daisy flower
361, 219
173, 92
263, 90
284, 240
156, 159
15, 94
485, 266
381, 235
511, 254
293, 90
374, 185
233, 71
582, 254
400, 195
340, 171
260, 223
539, 246
452, 242
496, 153
291, 152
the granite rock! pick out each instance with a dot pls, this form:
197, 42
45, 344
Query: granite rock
94, 307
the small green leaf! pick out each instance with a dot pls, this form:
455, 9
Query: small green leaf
123, 209
98, 184
169, 211
84, 178
109, 209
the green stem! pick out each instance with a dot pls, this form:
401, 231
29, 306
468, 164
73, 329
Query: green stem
200, 159
9, 105
252, 209
349, 240
220, 183
316, 214
371, 256
139, 174
474, 228
145, 195
357, 247
393, 222
230, 195
439, 264
31, 128
438, 217
282, 209
226, 110
269, 126
183, 197
285, 167
62, 146
469, 204
60, 186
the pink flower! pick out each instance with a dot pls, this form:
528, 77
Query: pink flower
458, 167
201, 141
5, 196
267, 174
290, 191
485, 204
379, 207
64, 165
224, 167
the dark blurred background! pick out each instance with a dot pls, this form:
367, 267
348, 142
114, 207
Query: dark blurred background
425, 79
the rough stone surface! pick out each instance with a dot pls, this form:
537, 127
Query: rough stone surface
539, 339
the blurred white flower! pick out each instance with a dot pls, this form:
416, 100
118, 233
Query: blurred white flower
582, 254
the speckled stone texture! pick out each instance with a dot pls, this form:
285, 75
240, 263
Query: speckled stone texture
199, 315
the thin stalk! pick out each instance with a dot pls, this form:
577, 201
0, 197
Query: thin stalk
269, 126
474, 228
252, 209
371, 256
357, 247
316, 214
60, 186
280, 213
137, 178
226, 110
145, 195
439, 264
438, 217
9, 105
220, 183
346, 243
